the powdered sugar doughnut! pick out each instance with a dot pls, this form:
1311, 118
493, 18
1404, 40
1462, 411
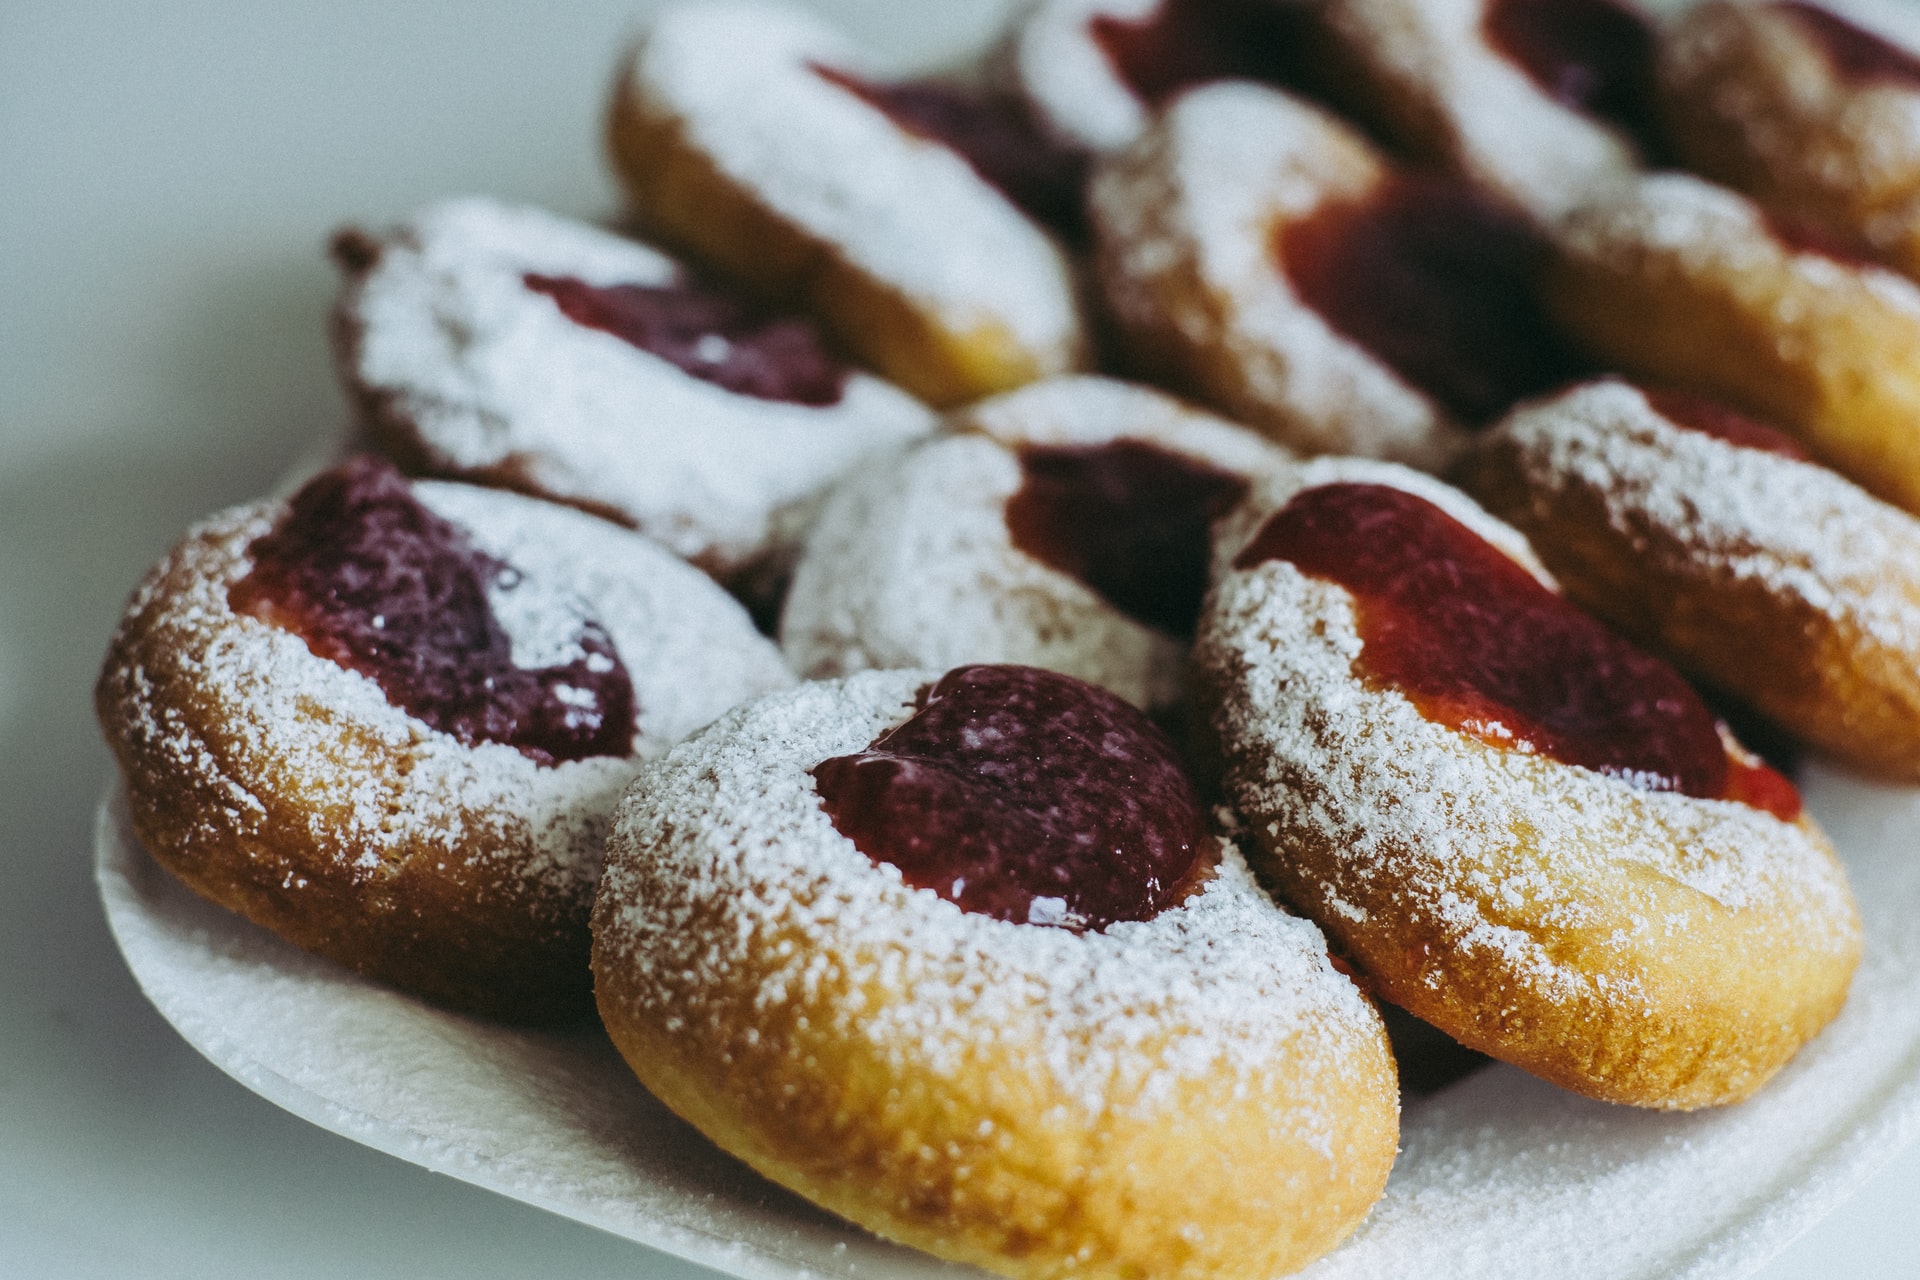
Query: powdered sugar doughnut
767, 148
1519, 827
1680, 283
1538, 100
1170, 1081
1715, 542
502, 344
389, 722
1814, 114
1063, 525
1259, 254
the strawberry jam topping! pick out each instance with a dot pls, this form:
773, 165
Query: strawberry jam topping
1591, 56
1710, 417
374, 581
1435, 280
1855, 54
1476, 643
1027, 796
992, 133
709, 335
1127, 519
1189, 42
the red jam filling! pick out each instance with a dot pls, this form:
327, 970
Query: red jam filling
1435, 280
1591, 56
709, 335
1127, 519
1189, 42
1856, 55
993, 134
1477, 644
1804, 235
1710, 417
374, 581
1024, 795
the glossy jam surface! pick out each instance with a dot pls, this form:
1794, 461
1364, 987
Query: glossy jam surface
1592, 56
1127, 519
1027, 796
1435, 280
709, 335
374, 581
1477, 644
993, 134
1189, 42
1710, 417
1855, 54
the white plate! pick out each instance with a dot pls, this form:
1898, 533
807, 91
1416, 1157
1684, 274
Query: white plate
1499, 1176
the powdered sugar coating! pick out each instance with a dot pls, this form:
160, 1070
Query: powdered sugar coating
468, 372
1185, 219
1069, 81
1478, 110
912, 563
736, 78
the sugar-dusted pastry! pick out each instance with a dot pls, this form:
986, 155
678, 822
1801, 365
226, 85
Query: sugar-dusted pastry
1259, 254
775, 154
501, 344
955, 957
389, 721
1680, 283
1718, 543
1812, 111
1064, 525
1517, 825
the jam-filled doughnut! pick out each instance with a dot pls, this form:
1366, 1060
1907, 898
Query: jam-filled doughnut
1063, 525
1810, 112
1260, 255
389, 721
1537, 100
1716, 541
501, 344
1519, 827
774, 154
956, 958
1680, 283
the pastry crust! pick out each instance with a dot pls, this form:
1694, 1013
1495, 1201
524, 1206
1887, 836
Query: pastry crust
289, 789
1636, 946
1766, 576
1198, 1095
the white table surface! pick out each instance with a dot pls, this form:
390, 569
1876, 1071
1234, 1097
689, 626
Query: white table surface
168, 173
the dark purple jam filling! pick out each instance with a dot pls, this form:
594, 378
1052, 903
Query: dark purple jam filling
1027, 796
1710, 417
711, 336
1856, 54
1435, 279
1129, 520
1189, 42
374, 581
992, 133
1591, 56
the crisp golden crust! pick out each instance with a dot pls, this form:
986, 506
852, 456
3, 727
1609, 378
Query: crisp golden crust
1751, 99
1186, 221
1198, 1095
1680, 283
736, 152
1635, 946
1769, 577
288, 789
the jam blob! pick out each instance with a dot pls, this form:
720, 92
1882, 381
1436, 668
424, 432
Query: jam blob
1710, 417
1855, 54
374, 581
709, 335
1024, 795
992, 133
1477, 644
1189, 42
1129, 520
1591, 56
1435, 280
